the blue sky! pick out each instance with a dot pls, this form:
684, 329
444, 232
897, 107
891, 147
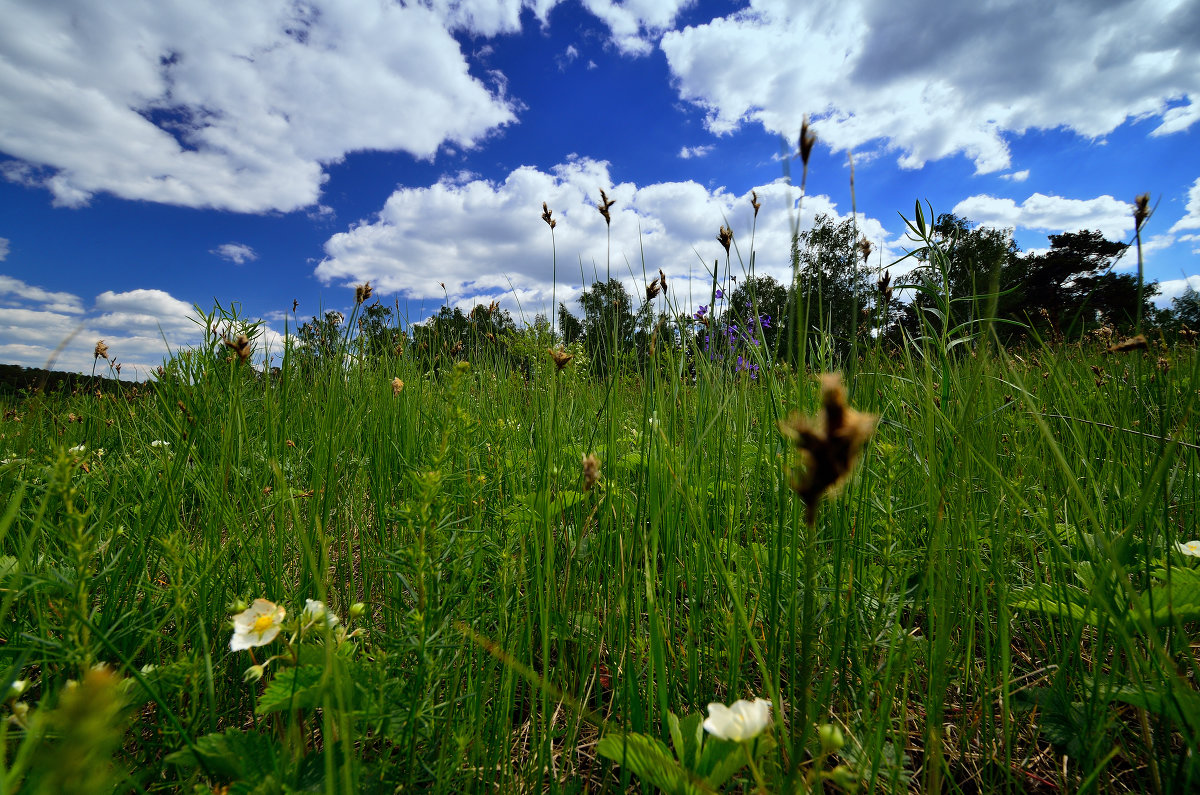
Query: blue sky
154, 156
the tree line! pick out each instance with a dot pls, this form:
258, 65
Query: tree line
975, 277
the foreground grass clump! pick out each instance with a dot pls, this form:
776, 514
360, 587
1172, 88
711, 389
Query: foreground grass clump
477, 578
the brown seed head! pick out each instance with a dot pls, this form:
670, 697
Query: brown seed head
725, 237
829, 443
397, 386
807, 139
561, 357
362, 292
591, 471
1138, 343
295, 303
240, 346
864, 248
653, 289
662, 279
603, 206
885, 285
546, 213
754, 202
1141, 211
101, 350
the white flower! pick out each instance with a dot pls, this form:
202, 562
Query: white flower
743, 720
1191, 549
257, 625
79, 448
315, 610
160, 443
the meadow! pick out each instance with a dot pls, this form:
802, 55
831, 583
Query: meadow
517, 575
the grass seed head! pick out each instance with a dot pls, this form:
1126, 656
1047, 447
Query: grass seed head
829, 443
1137, 343
591, 471
546, 213
754, 202
362, 292
725, 237
561, 357
662, 279
864, 248
101, 350
397, 386
807, 140
603, 206
653, 289
240, 346
1141, 211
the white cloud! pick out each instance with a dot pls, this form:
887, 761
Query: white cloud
3, 248
636, 24
237, 253
689, 152
1016, 176
936, 79
1191, 217
14, 291
238, 109
1173, 288
487, 240
1104, 214
141, 328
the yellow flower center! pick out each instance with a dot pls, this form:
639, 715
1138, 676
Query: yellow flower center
262, 624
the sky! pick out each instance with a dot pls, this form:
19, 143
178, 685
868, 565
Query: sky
160, 158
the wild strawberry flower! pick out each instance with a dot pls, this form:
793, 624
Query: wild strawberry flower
258, 625
160, 443
1191, 549
315, 610
742, 720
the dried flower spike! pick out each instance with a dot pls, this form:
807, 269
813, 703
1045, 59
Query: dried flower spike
591, 471
653, 289
546, 213
807, 139
240, 346
362, 292
725, 237
561, 357
829, 444
662, 279
1141, 211
295, 303
864, 248
1137, 343
397, 386
603, 206
754, 202
101, 351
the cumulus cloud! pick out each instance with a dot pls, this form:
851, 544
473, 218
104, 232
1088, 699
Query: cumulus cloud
1040, 212
3, 248
1191, 216
1173, 288
239, 110
689, 152
141, 328
15, 292
636, 24
458, 230
934, 79
1016, 176
237, 253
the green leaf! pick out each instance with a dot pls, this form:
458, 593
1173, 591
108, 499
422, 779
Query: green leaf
1167, 603
232, 754
1040, 600
293, 688
721, 759
651, 761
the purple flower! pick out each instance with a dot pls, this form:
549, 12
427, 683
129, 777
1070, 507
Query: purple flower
720, 294
764, 321
701, 312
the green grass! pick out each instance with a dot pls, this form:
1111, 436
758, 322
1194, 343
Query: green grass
993, 602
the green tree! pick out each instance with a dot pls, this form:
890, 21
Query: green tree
771, 299
831, 281
609, 323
